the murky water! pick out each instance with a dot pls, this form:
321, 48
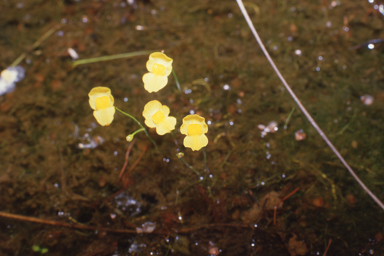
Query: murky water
57, 163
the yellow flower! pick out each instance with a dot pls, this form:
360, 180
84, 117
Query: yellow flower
159, 66
101, 100
156, 116
194, 127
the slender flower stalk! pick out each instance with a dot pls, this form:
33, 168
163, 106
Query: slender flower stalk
142, 127
36, 44
205, 160
179, 156
176, 80
110, 57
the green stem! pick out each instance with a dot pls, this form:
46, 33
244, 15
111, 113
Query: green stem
142, 127
176, 80
132, 135
110, 57
190, 167
288, 118
36, 44
140, 130
205, 160
347, 125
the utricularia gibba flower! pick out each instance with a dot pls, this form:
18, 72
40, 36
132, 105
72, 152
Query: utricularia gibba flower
101, 100
9, 77
156, 116
159, 66
194, 127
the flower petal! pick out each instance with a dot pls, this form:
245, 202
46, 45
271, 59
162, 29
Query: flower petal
151, 108
99, 92
196, 142
162, 59
153, 83
104, 116
167, 126
184, 128
193, 119
165, 110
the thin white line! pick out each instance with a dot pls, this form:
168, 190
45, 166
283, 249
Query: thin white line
250, 24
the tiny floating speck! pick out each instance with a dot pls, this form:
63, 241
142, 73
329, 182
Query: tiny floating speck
367, 99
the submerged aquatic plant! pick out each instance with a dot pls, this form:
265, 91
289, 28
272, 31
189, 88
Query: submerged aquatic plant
156, 116
101, 100
302, 108
159, 66
194, 127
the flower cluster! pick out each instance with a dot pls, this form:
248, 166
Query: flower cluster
156, 115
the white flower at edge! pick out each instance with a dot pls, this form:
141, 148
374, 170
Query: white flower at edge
9, 77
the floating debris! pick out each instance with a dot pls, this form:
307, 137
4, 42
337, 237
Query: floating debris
270, 128
367, 99
88, 142
73, 53
300, 135
213, 249
127, 205
9, 77
147, 227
